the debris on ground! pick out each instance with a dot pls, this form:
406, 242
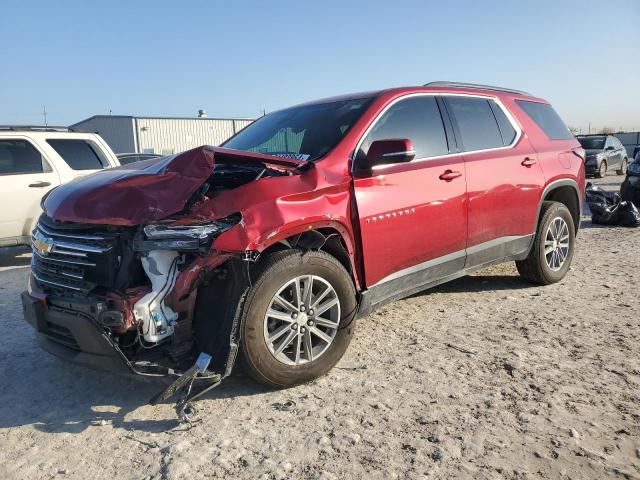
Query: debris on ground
607, 208
287, 406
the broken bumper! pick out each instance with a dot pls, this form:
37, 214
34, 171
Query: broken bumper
70, 332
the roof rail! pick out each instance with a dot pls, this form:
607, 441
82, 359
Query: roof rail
475, 86
36, 128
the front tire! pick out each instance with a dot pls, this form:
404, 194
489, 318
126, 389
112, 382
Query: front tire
298, 319
602, 171
623, 167
552, 251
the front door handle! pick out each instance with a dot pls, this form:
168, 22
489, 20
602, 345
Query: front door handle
528, 162
39, 184
449, 175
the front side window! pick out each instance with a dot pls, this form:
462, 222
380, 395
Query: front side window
19, 156
79, 154
416, 118
307, 132
547, 119
476, 123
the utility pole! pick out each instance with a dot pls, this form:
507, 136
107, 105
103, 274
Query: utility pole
589, 127
44, 113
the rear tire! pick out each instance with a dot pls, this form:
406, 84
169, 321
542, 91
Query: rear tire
623, 167
552, 251
277, 275
602, 171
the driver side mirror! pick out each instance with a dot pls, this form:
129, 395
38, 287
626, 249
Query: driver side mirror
384, 152
610, 147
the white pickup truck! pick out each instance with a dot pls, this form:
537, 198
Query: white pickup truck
33, 160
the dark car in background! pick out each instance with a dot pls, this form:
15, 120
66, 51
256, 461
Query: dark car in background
604, 152
630, 188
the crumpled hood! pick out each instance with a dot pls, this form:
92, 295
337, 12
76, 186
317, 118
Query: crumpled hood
148, 190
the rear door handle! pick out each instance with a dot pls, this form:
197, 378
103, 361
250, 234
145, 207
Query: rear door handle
449, 175
39, 184
528, 162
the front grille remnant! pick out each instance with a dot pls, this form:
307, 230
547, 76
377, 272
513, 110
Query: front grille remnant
72, 258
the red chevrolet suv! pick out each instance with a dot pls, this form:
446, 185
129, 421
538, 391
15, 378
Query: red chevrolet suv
272, 245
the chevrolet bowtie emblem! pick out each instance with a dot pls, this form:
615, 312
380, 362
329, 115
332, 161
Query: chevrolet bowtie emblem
42, 244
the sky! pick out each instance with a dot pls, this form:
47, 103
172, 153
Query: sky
240, 58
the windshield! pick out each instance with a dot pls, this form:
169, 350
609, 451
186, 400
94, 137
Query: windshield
592, 143
306, 132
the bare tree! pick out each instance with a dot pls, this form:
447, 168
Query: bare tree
606, 131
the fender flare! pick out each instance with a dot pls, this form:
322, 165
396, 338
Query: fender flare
564, 182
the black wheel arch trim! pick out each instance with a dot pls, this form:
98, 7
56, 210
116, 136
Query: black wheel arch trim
564, 182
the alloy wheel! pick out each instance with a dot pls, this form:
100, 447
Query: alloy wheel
556, 244
302, 320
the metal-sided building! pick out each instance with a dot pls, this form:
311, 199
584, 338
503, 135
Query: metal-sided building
162, 135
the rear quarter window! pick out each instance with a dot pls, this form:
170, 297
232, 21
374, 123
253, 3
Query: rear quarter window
79, 154
547, 119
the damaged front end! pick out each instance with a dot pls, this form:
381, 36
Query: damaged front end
119, 258
106, 298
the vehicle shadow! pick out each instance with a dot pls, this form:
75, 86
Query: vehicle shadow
54, 396
13, 257
64, 398
584, 224
479, 283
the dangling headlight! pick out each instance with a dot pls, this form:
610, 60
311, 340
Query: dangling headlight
183, 237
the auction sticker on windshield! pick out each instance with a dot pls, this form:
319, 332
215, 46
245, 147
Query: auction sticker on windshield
293, 156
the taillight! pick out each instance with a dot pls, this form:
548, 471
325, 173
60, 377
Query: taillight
580, 153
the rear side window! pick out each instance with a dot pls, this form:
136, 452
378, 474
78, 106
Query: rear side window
506, 128
416, 118
79, 154
547, 119
476, 122
19, 156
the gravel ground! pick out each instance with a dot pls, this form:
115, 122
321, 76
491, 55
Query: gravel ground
486, 377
